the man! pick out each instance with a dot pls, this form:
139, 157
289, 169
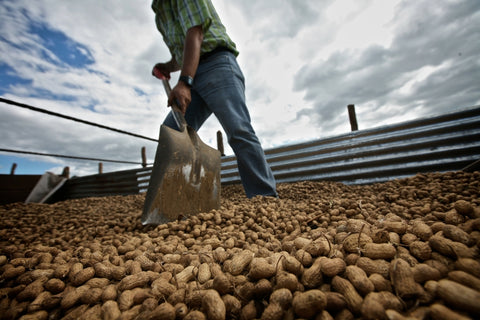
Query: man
211, 82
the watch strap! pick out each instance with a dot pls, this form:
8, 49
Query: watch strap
187, 80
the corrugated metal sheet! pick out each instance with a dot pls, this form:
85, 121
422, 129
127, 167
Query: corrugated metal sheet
443, 143
105, 184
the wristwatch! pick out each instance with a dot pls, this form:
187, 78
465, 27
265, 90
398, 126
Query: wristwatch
187, 80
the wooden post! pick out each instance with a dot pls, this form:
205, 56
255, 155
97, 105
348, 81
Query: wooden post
353, 117
220, 143
12, 170
66, 172
100, 168
144, 157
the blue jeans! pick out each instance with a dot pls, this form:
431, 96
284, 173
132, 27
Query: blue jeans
219, 88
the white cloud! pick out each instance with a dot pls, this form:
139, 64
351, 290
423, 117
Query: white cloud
361, 23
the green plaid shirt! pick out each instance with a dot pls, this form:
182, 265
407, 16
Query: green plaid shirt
175, 17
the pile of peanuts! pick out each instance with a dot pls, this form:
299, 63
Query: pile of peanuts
403, 249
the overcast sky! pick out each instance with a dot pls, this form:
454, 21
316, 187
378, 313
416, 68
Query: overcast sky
304, 62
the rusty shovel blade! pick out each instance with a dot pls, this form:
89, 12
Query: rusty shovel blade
185, 179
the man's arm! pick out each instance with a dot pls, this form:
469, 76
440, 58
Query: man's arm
191, 51
167, 67
191, 57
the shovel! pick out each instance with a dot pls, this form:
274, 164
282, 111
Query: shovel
185, 179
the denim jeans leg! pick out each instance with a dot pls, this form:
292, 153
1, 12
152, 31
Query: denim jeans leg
221, 85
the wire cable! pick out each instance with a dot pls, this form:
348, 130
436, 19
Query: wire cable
69, 157
26, 106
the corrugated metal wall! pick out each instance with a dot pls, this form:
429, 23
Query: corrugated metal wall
443, 143
105, 184
438, 144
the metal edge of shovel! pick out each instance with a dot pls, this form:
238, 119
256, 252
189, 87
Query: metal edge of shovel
185, 178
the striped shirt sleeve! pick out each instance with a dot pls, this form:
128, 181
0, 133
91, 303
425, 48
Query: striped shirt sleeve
194, 13
175, 17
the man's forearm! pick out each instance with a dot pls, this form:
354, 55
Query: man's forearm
191, 51
181, 93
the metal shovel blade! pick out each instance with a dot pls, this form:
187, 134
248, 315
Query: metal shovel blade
185, 179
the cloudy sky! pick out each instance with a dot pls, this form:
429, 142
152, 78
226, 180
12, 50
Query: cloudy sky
304, 62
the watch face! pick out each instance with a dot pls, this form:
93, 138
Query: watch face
187, 80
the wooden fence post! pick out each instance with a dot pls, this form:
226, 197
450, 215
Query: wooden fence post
12, 170
220, 143
144, 157
66, 172
353, 117
100, 168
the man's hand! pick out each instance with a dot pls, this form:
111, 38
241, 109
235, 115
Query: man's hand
160, 71
181, 95
164, 69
